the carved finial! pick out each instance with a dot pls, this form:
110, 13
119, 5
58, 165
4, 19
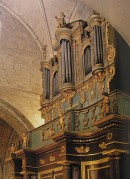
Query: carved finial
61, 20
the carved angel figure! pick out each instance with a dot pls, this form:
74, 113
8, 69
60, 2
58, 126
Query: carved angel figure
106, 104
61, 20
25, 141
61, 121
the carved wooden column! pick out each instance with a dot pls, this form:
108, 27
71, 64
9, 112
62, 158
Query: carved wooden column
97, 39
67, 171
114, 167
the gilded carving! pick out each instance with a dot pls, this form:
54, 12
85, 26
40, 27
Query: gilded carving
61, 121
109, 136
111, 52
48, 133
23, 162
63, 149
82, 149
106, 105
61, 20
93, 116
103, 145
83, 97
42, 161
69, 96
52, 158
92, 93
111, 75
100, 77
25, 141
45, 113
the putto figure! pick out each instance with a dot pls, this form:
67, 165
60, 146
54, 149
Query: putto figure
61, 20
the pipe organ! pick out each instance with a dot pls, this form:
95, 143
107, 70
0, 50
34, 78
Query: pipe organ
85, 107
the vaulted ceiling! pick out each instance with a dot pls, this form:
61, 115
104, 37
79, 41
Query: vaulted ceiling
25, 26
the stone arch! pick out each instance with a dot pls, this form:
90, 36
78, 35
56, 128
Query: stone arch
27, 27
14, 118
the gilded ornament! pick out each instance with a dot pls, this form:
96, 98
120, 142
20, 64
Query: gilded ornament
100, 77
48, 133
106, 105
45, 113
111, 52
25, 141
103, 145
52, 158
111, 75
62, 149
109, 136
82, 149
61, 121
83, 97
23, 162
69, 96
42, 161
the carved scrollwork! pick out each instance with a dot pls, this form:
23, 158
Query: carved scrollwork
100, 77
111, 52
111, 75
69, 96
